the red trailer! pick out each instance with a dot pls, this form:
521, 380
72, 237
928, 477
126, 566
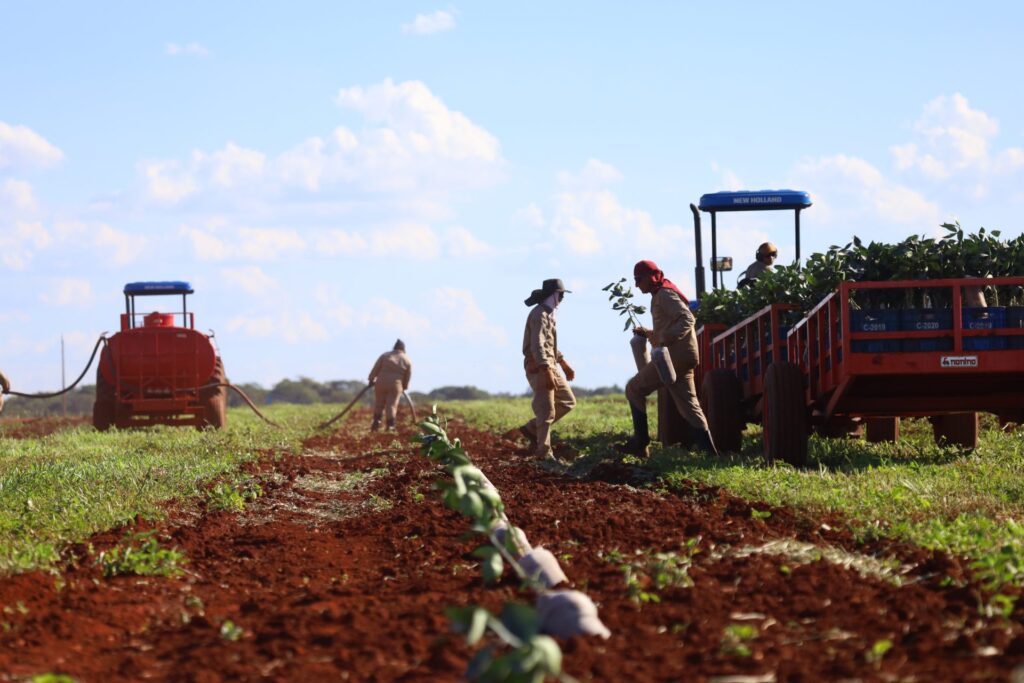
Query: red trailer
945, 363
159, 372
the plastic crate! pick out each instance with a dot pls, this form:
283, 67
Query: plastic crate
875, 320
927, 319
991, 318
1015, 321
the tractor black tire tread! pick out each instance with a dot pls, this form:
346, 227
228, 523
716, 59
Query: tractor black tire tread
785, 415
722, 402
104, 405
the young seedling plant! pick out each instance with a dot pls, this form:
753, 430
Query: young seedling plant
621, 297
533, 656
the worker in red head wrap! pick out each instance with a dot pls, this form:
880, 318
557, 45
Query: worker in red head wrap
675, 356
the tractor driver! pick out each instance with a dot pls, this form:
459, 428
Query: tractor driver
390, 379
763, 260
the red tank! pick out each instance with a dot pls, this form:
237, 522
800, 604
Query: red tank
159, 372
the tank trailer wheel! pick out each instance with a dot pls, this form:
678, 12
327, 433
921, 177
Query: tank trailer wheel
883, 429
958, 429
214, 400
103, 406
723, 409
785, 415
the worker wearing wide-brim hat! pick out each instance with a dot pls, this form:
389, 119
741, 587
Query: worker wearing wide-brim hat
5, 387
552, 397
390, 378
673, 332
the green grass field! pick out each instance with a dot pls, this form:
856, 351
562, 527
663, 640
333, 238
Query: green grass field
61, 488
939, 498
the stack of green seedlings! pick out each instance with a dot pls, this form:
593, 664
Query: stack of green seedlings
954, 255
520, 630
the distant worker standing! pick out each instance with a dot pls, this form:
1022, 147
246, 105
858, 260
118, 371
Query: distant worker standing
764, 260
552, 397
5, 387
390, 378
673, 331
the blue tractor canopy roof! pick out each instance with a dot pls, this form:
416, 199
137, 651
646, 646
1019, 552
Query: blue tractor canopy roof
759, 200
155, 288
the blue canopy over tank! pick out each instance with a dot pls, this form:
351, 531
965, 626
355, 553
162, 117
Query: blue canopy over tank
154, 288
758, 200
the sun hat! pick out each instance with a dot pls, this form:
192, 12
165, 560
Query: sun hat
568, 613
547, 288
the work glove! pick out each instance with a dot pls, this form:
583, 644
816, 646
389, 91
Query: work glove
570, 374
548, 378
643, 332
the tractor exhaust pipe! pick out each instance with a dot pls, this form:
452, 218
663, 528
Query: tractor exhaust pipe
699, 270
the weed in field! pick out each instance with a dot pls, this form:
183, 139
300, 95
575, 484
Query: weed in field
647, 572
52, 678
877, 652
142, 555
229, 630
233, 496
736, 639
799, 552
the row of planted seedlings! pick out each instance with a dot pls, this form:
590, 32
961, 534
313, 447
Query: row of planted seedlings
520, 645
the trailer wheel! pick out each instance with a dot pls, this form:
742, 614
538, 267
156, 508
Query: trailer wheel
721, 401
883, 429
958, 429
103, 404
785, 415
214, 400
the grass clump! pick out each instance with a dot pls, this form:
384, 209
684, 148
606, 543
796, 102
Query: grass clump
142, 555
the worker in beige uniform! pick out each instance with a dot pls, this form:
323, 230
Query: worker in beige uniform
5, 387
673, 331
764, 259
552, 397
390, 378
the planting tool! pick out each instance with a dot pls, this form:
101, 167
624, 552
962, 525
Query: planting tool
325, 425
412, 408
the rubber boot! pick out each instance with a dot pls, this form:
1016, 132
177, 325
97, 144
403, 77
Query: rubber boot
703, 441
376, 423
637, 444
391, 425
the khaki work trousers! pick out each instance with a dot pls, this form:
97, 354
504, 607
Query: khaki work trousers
683, 393
386, 396
549, 406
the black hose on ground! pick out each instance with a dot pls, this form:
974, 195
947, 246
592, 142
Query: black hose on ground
325, 425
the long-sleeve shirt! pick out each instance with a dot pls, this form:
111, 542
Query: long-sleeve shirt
392, 366
540, 339
674, 327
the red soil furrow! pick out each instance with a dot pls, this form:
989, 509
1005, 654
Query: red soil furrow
343, 572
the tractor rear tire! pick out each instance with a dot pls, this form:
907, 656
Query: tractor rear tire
883, 429
958, 429
721, 399
103, 407
785, 415
214, 400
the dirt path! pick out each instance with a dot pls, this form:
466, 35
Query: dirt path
343, 569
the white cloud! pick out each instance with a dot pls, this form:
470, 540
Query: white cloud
292, 327
729, 181
463, 318
382, 314
18, 195
530, 215
412, 153
187, 49
589, 218
851, 186
22, 147
246, 244
68, 291
122, 247
251, 279
461, 242
427, 24
17, 246
409, 240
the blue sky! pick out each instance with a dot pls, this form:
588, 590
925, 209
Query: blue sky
331, 176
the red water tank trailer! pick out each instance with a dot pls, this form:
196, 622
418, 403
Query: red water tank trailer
159, 372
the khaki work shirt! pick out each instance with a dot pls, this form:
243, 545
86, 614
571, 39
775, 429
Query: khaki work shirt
755, 270
540, 340
674, 327
392, 366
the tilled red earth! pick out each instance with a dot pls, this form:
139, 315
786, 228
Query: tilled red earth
343, 570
